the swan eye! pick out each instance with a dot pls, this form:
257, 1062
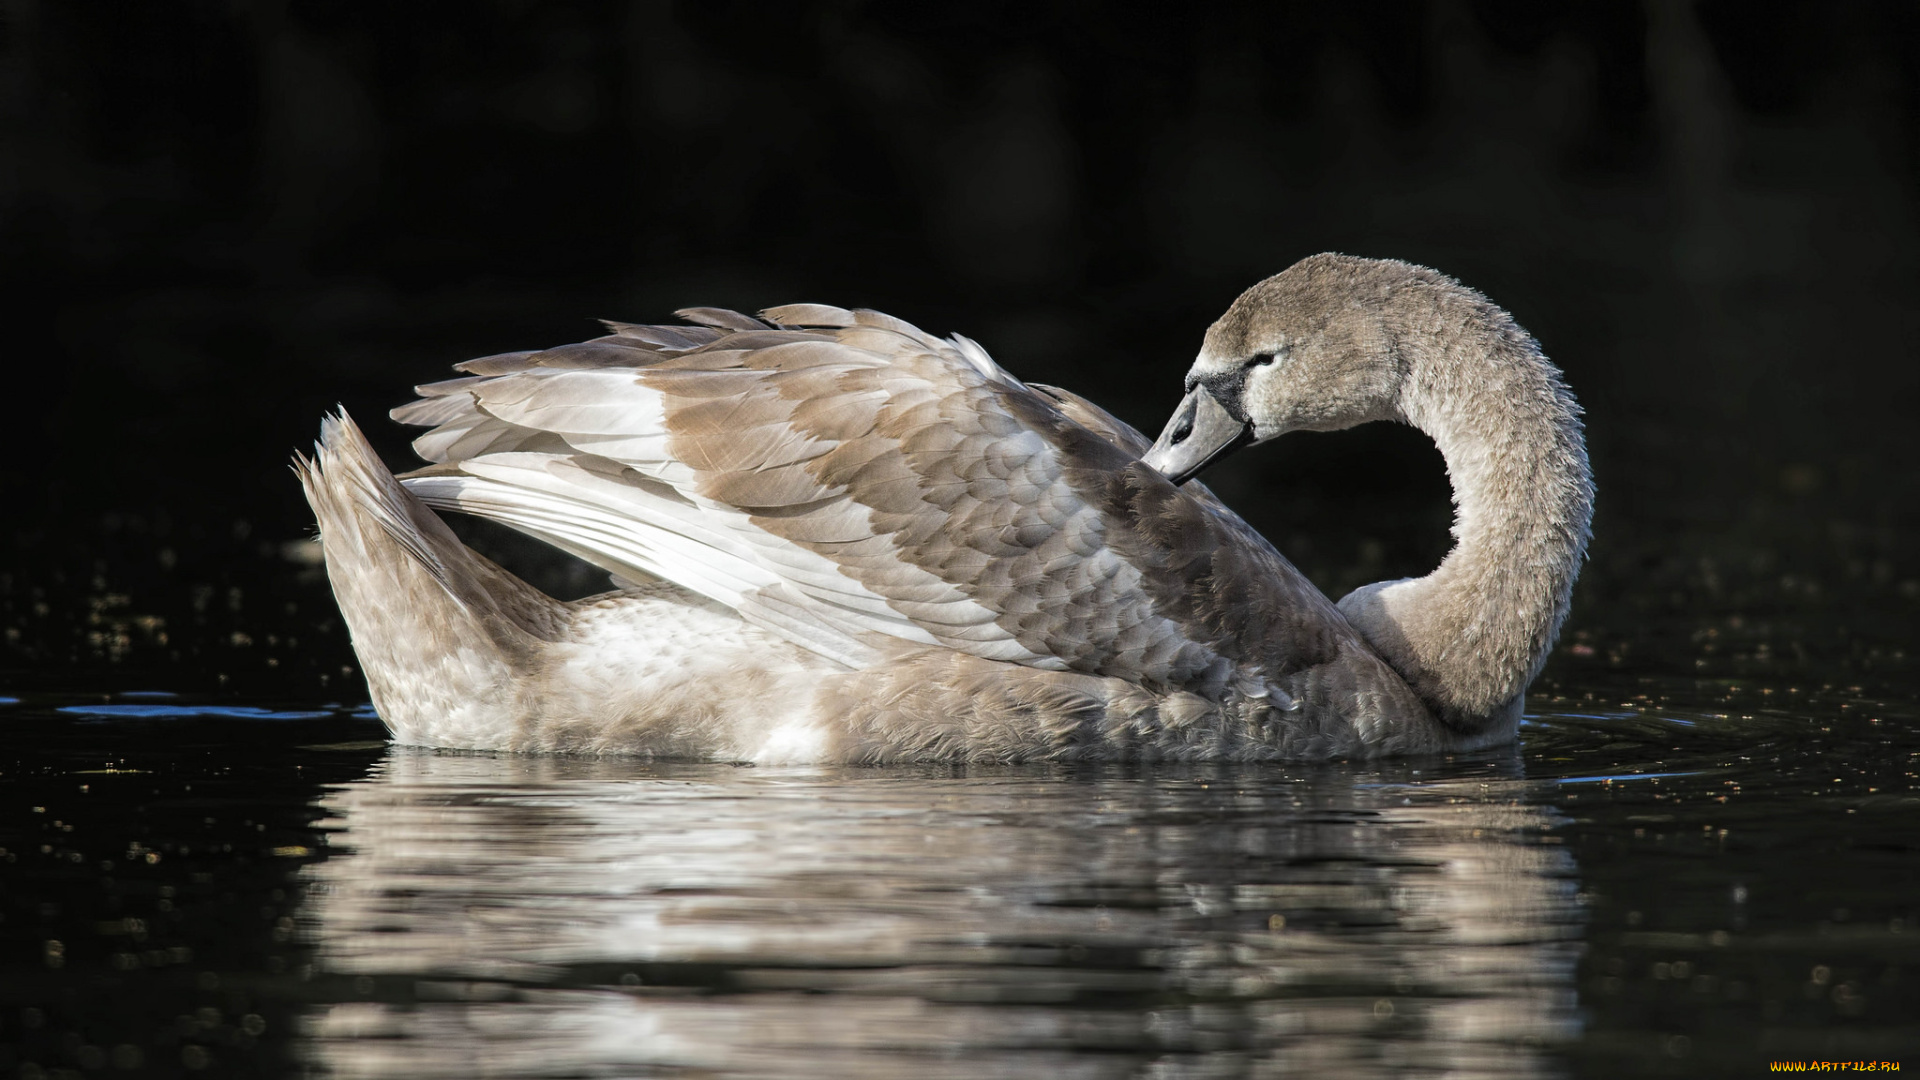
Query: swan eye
1262, 359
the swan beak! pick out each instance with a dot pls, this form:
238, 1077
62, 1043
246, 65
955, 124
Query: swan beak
1201, 430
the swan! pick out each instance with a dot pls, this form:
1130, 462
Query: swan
837, 538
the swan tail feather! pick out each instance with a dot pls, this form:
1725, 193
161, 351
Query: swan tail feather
442, 633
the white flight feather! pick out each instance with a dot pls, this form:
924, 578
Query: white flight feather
606, 540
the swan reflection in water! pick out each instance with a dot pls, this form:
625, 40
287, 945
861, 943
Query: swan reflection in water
513, 916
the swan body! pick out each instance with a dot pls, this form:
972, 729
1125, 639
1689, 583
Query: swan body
838, 538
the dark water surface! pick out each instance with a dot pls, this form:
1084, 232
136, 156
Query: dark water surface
261, 888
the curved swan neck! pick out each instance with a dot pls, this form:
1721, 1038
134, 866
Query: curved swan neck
1471, 635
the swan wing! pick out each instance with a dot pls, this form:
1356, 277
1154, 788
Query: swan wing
854, 484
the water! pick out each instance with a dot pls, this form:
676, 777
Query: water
270, 889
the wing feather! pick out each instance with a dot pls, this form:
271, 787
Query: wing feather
667, 338
809, 315
721, 319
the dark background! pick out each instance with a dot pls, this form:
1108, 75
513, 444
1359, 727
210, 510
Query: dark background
220, 219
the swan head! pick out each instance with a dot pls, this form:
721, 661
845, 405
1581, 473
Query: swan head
1309, 349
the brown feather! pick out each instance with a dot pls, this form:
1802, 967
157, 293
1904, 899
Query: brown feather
721, 318
809, 315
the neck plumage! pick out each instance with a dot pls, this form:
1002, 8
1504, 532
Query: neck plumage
1470, 636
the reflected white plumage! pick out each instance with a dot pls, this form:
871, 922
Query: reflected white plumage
839, 538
